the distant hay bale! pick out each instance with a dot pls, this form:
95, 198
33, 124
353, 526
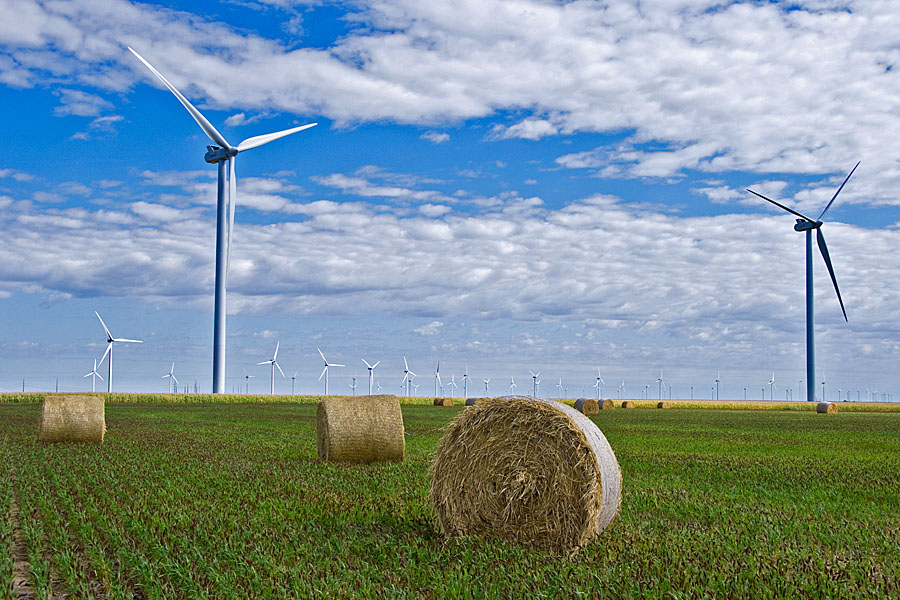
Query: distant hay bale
627, 404
72, 419
606, 405
826, 408
587, 406
471, 401
662, 404
525, 469
360, 430
443, 401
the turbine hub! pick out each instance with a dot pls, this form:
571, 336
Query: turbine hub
804, 225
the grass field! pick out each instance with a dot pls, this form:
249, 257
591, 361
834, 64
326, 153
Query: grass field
228, 501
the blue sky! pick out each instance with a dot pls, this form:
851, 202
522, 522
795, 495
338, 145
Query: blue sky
513, 185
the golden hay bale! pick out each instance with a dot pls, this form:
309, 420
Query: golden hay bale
663, 404
360, 429
443, 401
826, 407
606, 405
627, 404
587, 406
528, 470
72, 419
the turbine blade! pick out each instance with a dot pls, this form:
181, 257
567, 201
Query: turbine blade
99, 375
337, 365
277, 344
205, 125
411, 373
175, 379
820, 239
837, 192
259, 140
105, 328
325, 370
782, 206
232, 203
405, 364
367, 364
323, 356
89, 374
373, 366
108, 347
405, 377
265, 362
127, 340
279, 369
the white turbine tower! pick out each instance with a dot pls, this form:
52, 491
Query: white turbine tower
325, 370
598, 383
534, 382
221, 153
293, 377
247, 378
407, 375
437, 378
487, 388
415, 389
466, 382
94, 375
660, 382
512, 384
274, 363
452, 385
559, 388
110, 340
368, 366
772, 386
171, 376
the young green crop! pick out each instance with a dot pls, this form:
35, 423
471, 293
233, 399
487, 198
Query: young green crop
229, 501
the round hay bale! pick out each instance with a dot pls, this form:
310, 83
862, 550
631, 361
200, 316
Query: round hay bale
525, 469
627, 404
606, 405
587, 406
471, 401
663, 404
443, 401
826, 408
72, 419
358, 430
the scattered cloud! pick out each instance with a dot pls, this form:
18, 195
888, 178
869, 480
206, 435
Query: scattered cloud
435, 137
430, 329
80, 104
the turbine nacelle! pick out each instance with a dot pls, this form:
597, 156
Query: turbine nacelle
806, 225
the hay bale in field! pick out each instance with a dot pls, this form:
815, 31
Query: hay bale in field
360, 430
606, 405
826, 408
587, 406
443, 401
662, 404
528, 470
471, 401
627, 404
72, 419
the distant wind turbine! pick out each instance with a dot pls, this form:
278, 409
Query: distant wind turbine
486, 385
452, 385
221, 153
274, 362
559, 388
466, 382
325, 370
598, 383
807, 224
353, 384
94, 375
110, 341
293, 377
512, 384
368, 366
172, 380
247, 378
407, 375
534, 382
772, 387
437, 378
660, 382
717, 384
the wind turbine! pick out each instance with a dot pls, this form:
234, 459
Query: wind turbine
94, 375
512, 384
407, 375
772, 387
452, 385
487, 387
598, 382
368, 366
110, 340
660, 382
293, 377
171, 376
559, 387
353, 384
823, 386
325, 370
247, 378
807, 224
274, 363
221, 153
717, 384
437, 378
622, 390
534, 382
466, 382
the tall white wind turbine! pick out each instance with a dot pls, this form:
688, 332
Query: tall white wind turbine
512, 384
407, 376
772, 386
487, 383
452, 385
437, 378
466, 382
110, 341
274, 362
325, 370
225, 155
171, 376
598, 383
368, 366
534, 382
94, 375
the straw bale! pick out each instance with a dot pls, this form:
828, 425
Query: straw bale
528, 470
826, 407
587, 406
627, 404
72, 419
443, 401
360, 429
606, 405
662, 404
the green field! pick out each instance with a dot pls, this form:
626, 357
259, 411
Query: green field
229, 501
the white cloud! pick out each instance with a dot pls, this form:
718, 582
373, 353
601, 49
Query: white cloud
17, 175
430, 329
435, 137
81, 104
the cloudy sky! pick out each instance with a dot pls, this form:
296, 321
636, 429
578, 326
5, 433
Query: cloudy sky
526, 184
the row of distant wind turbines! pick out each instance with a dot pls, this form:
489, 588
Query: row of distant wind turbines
223, 153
